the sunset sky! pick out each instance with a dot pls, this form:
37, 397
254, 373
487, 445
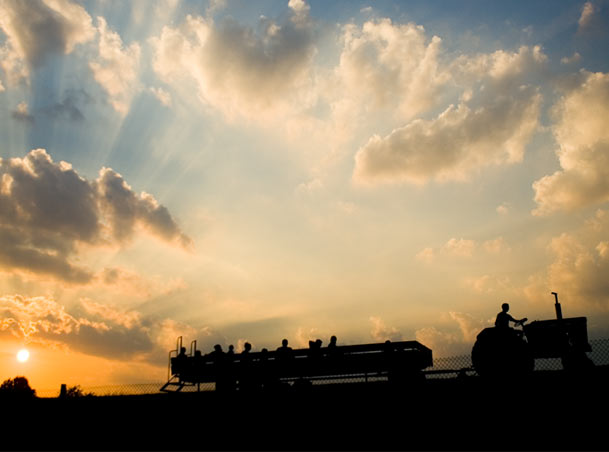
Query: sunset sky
234, 171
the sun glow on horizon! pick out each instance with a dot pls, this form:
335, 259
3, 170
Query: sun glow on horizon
23, 355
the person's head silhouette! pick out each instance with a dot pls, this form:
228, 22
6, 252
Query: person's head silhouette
505, 307
284, 343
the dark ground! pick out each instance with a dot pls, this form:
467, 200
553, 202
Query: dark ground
551, 411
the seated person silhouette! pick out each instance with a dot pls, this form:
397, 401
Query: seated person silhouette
197, 366
265, 377
218, 358
503, 318
246, 381
332, 343
502, 325
284, 357
284, 351
315, 352
217, 354
180, 362
247, 347
332, 351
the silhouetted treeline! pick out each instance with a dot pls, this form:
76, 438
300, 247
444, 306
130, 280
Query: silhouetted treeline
548, 411
16, 388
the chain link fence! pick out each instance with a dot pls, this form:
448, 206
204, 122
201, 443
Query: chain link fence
599, 355
443, 367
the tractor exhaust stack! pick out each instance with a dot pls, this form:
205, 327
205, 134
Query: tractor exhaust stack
557, 307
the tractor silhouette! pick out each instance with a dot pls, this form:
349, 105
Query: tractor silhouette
512, 352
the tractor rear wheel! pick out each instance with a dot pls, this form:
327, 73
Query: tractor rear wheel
499, 353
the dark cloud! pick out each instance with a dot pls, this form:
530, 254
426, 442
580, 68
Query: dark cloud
37, 29
117, 342
124, 209
89, 328
593, 21
20, 253
67, 109
238, 69
22, 114
96, 329
47, 208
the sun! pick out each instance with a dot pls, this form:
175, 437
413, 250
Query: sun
23, 355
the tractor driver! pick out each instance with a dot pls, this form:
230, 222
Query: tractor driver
503, 318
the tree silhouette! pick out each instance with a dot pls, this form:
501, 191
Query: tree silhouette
17, 387
74, 392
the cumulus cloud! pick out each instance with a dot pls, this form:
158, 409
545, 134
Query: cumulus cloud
387, 66
104, 333
381, 332
603, 249
91, 327
500, 68
572, 59
496, 246
237, 70
489, 284
581, 264
216, 5
593, 21
503, 208
447, 341
439, 341
116, 67
453, 145
304, 335
40, 28
491, 125
587, 14
47, 209
163, 96
462, 248
15, 68
579, 267
582, 133
22, 113
27, 317
69, 107
426, 255
124, 210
